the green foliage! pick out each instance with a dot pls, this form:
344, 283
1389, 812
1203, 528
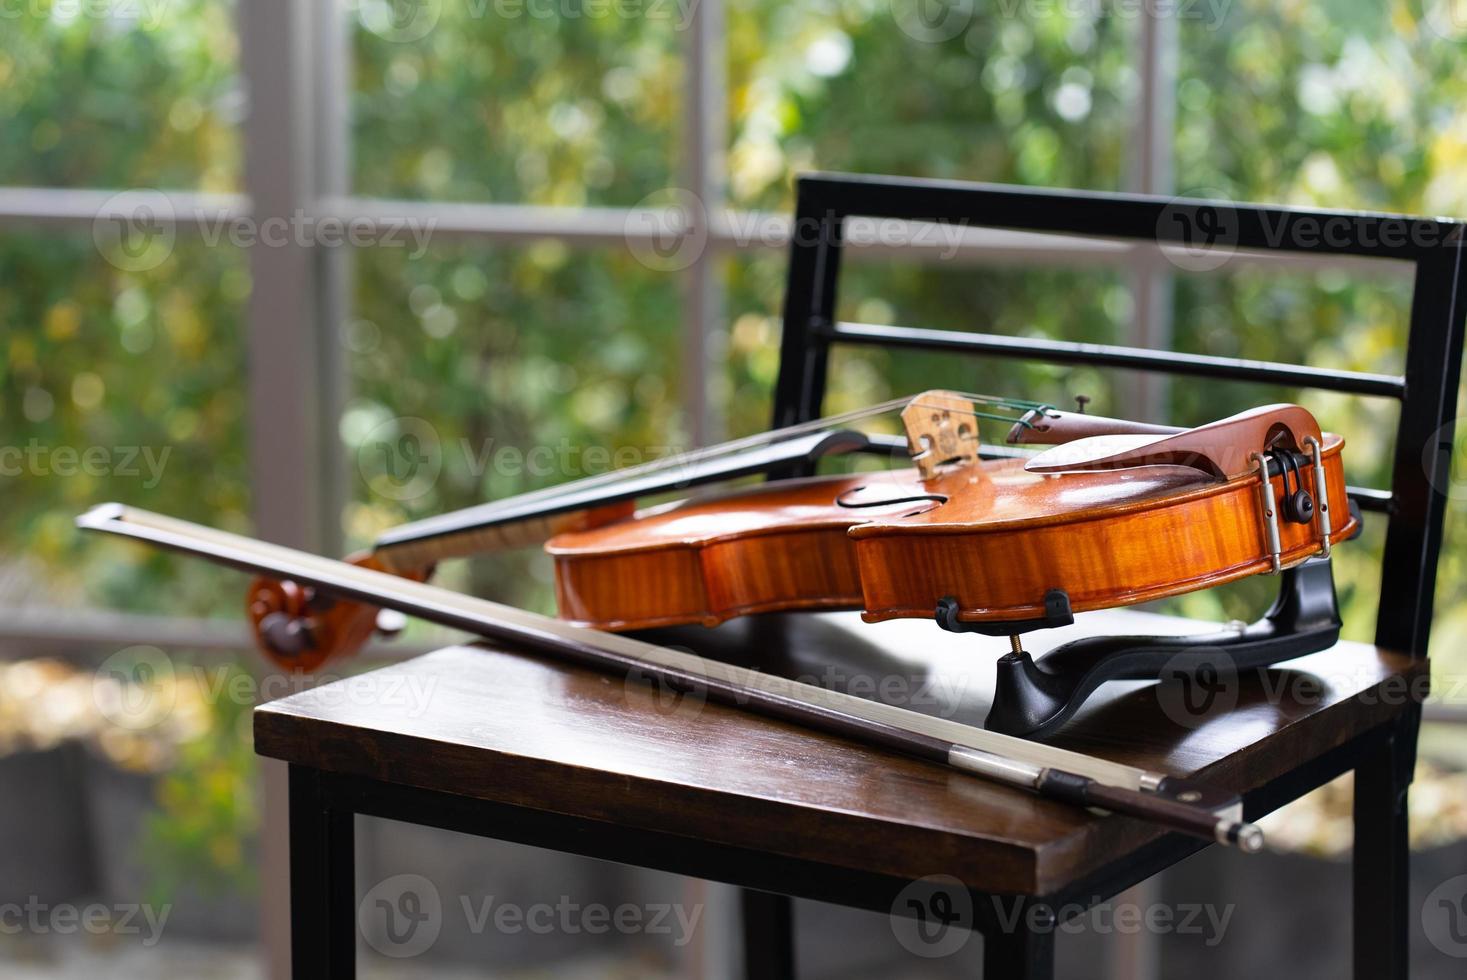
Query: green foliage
530, 107
530, 367
1021, 94
119, 386
146, 97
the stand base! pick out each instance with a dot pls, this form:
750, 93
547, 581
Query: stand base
1033, 699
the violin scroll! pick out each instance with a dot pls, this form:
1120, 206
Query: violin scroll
300, 629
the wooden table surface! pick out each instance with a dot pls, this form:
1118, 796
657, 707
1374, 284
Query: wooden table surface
505, 727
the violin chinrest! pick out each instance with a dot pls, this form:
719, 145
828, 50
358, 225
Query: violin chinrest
1222, 449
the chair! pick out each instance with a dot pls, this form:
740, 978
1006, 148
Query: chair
609, 770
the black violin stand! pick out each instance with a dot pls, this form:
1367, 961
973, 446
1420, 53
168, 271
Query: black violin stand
1033, 698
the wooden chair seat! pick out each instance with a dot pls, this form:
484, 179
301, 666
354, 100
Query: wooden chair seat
507, 728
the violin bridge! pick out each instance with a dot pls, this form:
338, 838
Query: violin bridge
942, 428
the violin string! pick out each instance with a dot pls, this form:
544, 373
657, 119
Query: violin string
761, 439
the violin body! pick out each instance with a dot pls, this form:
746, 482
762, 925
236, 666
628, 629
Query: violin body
1114, 513
993, 536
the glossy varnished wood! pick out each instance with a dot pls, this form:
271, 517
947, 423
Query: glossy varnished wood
994, 536
508, 728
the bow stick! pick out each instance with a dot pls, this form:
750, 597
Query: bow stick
1052, 773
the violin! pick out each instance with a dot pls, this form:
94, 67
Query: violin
1112, 513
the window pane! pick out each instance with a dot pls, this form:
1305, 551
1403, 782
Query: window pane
1340, 105
1024, 93
142, 94
482, 372
119, 385
517, 101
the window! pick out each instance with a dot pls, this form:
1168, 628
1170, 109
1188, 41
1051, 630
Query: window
510, 225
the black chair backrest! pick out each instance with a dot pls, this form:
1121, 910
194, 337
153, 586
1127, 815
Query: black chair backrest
1416, 501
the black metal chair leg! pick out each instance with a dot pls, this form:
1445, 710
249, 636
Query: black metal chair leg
322, 883
1382, 853
769, 935
1019, 953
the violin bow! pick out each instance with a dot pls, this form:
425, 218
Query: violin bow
1178, 804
